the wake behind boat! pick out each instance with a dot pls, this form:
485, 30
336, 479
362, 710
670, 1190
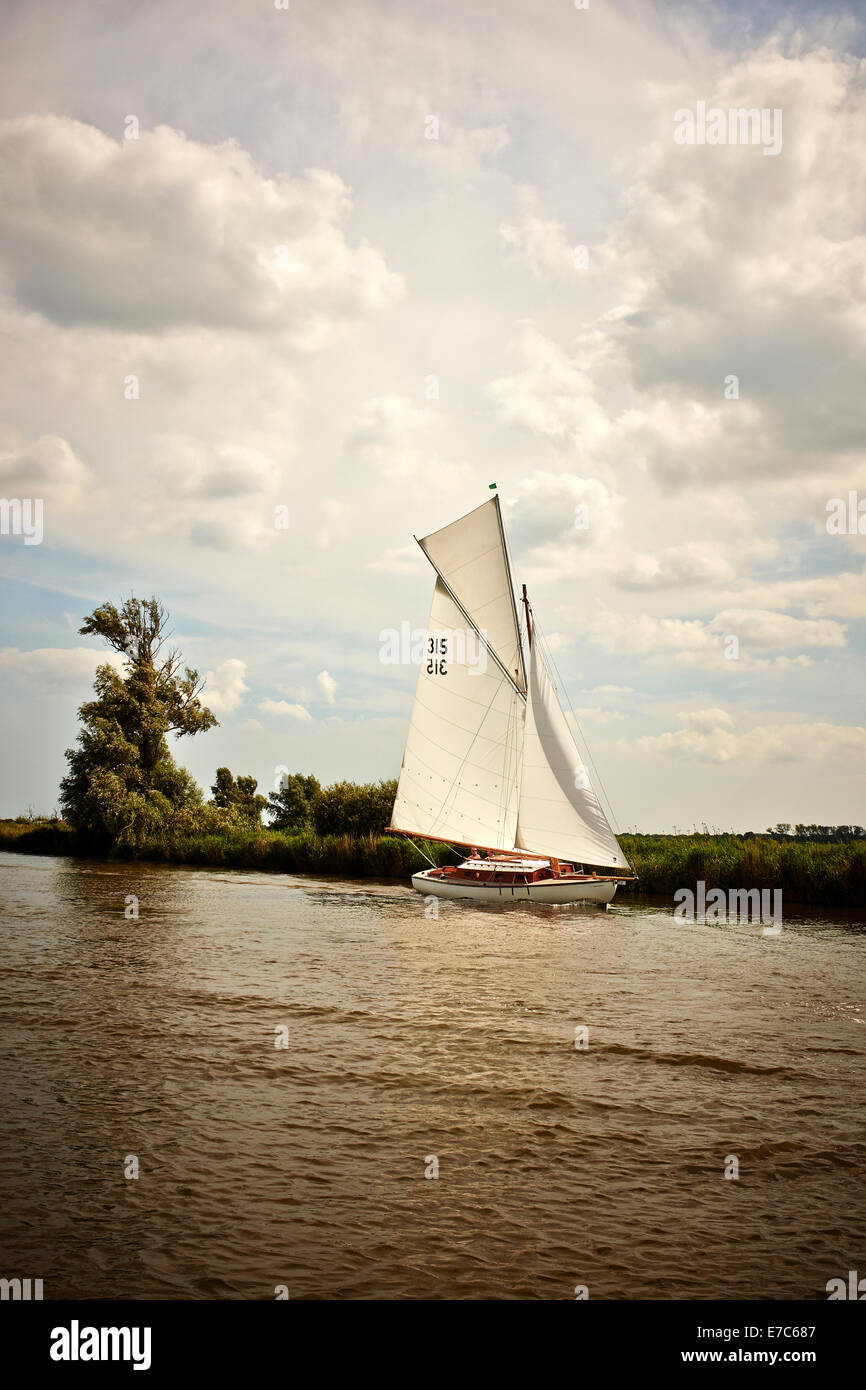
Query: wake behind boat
490, 761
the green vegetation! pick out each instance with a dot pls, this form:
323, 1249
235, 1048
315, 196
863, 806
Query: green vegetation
346, 808
833, 875
291, 808
821, 834
39, 835
244, 847
123, 788
807, 872
238, 796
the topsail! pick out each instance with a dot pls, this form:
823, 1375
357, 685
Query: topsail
470, 557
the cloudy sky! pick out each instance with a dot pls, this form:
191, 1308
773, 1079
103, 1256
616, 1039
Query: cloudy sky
239, 212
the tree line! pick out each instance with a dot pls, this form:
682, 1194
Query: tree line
817, 834
302, 803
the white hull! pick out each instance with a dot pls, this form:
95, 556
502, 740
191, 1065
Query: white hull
546, 891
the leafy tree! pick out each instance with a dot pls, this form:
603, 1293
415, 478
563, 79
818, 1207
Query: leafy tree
291, 808
123, 786
238, 796
347, 808
818, 834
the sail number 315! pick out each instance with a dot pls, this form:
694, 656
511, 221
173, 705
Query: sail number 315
437, 652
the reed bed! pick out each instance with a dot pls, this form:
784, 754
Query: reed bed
807, 872
832, 875
361, 856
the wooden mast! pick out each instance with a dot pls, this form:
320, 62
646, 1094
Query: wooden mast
554, 863
528, 618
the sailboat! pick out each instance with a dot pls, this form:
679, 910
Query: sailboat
490, 763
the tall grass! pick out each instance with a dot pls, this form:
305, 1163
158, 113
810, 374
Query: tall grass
302, 851
807, 872
29, 835
832, 874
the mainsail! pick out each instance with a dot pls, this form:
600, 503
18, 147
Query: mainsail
460, 775
559, 813
488, 761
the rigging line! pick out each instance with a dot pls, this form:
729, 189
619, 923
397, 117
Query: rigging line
508, 776
416, 758
452, 789
509, 772
458, 694
495, 747
494, 742
510, 585
479, 767
441, 812
459, 837
584, 741
431, 862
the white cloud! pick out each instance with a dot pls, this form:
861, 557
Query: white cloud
225, 687
553, 395
554, 519
328, 686
55, 667
704, 721
694, 642
733, 267
595, 714
396, 437
538, 242
693, 562
164, 231
709, 736
557, 641
283, 708
840, 595
212, 472
782, 662
763, 630
723, 264
46, 467
643, 633
398, 560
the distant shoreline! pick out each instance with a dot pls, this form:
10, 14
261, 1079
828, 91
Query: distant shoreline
808, 873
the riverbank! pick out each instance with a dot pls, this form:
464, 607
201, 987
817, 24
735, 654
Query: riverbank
361, 856
833, 875
809, 872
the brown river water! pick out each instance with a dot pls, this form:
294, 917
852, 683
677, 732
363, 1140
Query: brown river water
411, 1039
